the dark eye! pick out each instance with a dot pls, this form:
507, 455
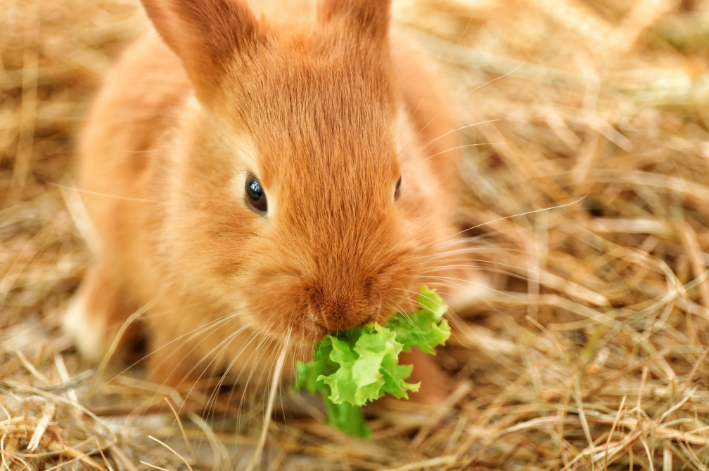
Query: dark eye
396, 190
255, 195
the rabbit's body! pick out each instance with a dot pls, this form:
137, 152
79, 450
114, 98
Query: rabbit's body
327, 117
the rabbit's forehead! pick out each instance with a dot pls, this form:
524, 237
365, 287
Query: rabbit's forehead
357, 153
356, 157
292, 90
314, 121
324, 116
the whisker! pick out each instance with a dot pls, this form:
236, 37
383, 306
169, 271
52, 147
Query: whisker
205, 326
408, 318
435, 79
416, 294
256, 458
468, 265
105, 195
258, 352
227, 342
452, 131
487, 270
114, 344
194, 347
479, 285
455, 148
463, 262
252, 337
476, 249
512, 216
465, 95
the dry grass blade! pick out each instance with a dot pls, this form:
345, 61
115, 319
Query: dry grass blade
173, 451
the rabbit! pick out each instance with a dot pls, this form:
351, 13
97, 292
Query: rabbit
256, 183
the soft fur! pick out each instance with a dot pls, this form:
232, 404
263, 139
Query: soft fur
328, 112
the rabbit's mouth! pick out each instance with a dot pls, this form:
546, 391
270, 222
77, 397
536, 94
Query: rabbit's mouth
311, 333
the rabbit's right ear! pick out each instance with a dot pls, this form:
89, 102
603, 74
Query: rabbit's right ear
205, 34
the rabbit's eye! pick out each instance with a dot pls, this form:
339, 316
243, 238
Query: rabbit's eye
397, 189
255, 196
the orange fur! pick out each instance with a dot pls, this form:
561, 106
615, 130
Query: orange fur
328, 113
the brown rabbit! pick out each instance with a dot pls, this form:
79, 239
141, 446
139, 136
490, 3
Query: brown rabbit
255, 182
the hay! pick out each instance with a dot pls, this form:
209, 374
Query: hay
587, 185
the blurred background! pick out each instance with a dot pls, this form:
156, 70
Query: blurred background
586, 169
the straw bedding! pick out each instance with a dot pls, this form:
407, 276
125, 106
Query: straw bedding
586, 185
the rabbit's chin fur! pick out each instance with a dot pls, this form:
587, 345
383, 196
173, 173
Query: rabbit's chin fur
327, 114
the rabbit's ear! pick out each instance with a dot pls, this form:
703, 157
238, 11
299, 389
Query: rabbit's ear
368, 17
205, 34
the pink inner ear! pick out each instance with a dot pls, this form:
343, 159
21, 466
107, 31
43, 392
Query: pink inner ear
204, 34
367, 16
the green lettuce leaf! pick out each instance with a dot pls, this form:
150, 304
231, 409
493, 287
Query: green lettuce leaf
352, 367
307, 374
348, 419
424, 328
368, 369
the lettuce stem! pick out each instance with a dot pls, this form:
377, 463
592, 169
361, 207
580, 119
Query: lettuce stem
347, 418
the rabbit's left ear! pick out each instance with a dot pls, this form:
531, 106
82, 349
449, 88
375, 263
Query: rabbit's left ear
368, 17
205, 34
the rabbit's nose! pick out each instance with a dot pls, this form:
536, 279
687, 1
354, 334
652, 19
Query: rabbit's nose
341, 314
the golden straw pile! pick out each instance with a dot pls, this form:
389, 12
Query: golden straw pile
586, 184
